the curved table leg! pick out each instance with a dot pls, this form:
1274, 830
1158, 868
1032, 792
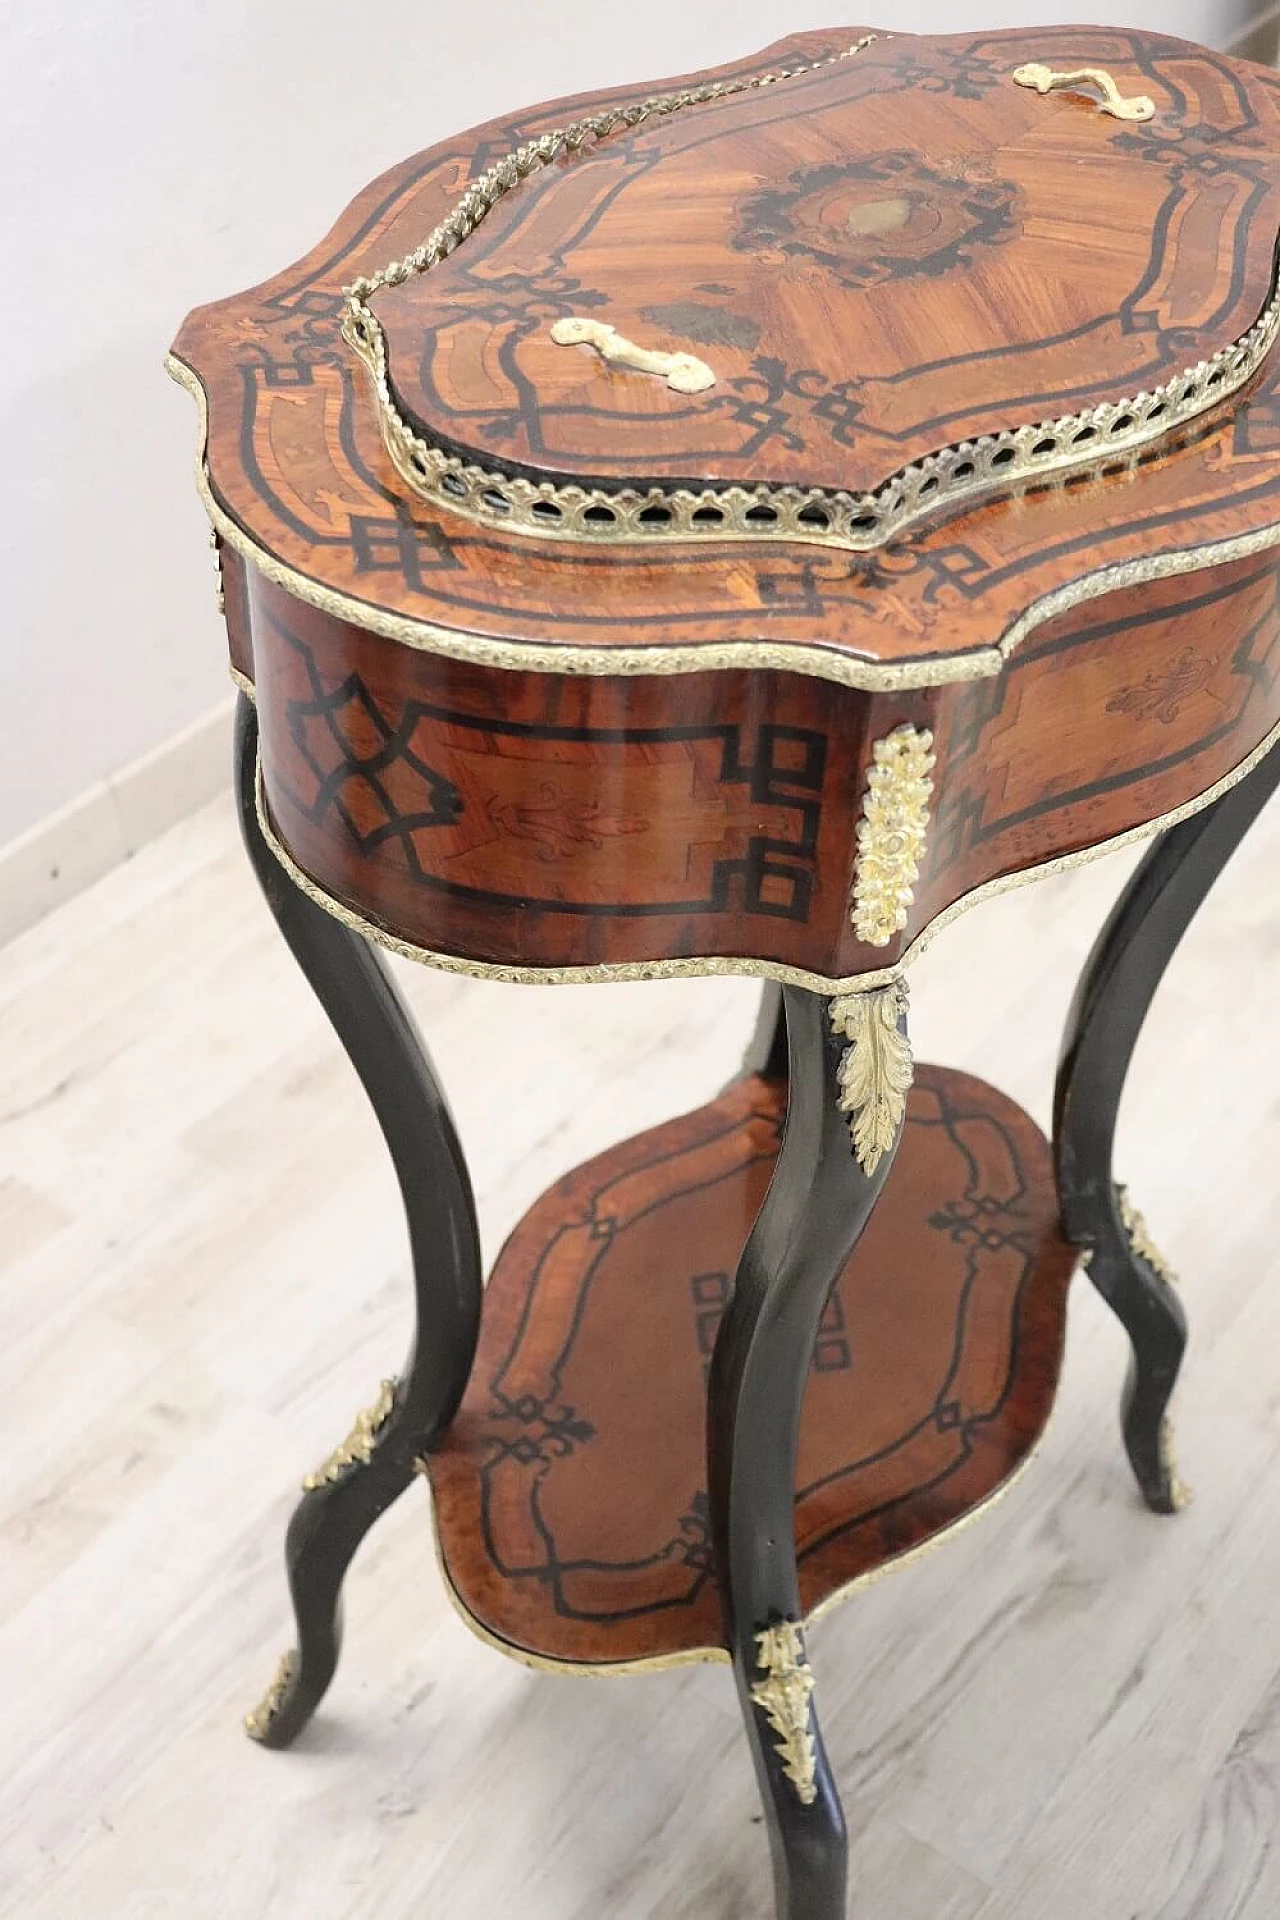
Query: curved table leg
375, 1464
850, 1069
1110, 1008
767, 1049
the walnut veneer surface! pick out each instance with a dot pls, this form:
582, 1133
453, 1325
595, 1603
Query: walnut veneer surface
923, 251
545, 756
933, 1372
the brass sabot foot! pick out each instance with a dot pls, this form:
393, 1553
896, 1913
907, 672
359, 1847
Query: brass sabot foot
258, 1723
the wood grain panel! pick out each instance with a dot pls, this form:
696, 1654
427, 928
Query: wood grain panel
448, 750
534, 819
925, 251
571, 1490
540, 820
297, 465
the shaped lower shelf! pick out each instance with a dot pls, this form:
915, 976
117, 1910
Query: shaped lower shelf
571, 1507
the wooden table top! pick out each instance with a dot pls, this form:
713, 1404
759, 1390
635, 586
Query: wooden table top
563, 670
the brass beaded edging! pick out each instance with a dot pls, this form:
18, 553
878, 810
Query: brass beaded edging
817, 661
595, 513
713, 966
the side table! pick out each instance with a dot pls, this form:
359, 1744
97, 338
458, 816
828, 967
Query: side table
607, 610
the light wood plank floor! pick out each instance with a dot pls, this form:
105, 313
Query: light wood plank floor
1070, 1711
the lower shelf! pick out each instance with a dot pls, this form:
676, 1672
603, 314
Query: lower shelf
571, 1506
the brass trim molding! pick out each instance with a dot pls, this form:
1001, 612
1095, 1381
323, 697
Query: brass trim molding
876, 1071
785, 1698
952, 476
258, 1723
1137, 106
818, 661
357, 1450
715, 967
892, 833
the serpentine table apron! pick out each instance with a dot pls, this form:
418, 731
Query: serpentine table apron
731, 527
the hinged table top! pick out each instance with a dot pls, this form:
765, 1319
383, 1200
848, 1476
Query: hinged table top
931, 247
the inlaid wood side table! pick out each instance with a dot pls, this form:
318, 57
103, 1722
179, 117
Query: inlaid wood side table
731, 527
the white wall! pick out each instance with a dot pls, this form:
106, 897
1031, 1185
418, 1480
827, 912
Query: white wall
159, 153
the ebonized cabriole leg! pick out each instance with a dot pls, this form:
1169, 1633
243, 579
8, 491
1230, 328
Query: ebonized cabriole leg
854, 1072
374, 1465
767, 1048
1111, 1004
